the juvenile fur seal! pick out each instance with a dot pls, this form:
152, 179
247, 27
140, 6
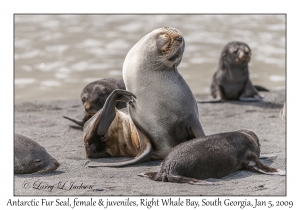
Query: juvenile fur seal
93, 97
164, 110
111, 132
213, 156
231, 81
30, 157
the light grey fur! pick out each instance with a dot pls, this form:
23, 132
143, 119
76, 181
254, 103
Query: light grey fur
165, 107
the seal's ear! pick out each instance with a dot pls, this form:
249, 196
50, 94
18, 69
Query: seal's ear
224, 53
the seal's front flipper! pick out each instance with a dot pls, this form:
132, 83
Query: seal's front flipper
78, 122
108, 110
269, 171
211, 101
174, 178
183, 179
149, 175
144, 154
268, 157
250, 94
256, 98
196, 130
256, 165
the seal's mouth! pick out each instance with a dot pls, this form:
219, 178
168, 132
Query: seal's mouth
175, 56
91, 112
243, 60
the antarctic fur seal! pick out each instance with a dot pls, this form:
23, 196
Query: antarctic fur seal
30, 157
213, 156
111, 132
231, 81
164, 110
93, 97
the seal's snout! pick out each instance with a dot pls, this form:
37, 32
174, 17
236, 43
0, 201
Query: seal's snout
56, 164
178, 38
87, 107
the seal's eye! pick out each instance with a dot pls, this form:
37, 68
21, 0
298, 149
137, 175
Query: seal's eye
37, 161
235, 51
100, 101
162, 42
83, 99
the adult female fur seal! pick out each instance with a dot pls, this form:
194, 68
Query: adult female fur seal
164, 110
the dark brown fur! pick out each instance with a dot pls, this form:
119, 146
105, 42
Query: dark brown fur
212, 156
231, 81
94, 95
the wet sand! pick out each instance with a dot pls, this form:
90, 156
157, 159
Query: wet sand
43, 122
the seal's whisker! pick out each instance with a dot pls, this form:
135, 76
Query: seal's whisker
145, 31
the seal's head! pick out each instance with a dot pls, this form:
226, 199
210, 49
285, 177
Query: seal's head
161, 49
170, 45
254, 144
236, 53
30, 157
94, 94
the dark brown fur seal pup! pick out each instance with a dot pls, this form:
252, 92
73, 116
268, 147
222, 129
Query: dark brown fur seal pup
165, 110
111, 132
30, 157
231, 81
94, 95
213, 156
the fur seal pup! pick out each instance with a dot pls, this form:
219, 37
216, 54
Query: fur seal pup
231, 81
164, 110
213, 156
30, 157
111, 132
93, 97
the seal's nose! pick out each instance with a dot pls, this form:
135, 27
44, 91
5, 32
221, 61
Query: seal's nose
87, 107
178, 38
56, 163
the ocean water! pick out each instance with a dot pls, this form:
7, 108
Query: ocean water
55, 56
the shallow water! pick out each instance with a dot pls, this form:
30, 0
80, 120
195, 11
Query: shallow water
57, 55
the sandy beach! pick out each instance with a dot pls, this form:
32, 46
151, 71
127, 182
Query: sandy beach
43, 122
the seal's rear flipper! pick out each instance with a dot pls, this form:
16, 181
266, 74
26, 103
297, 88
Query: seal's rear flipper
78, 122
211, 101
144, 155
108, 110
261, 88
